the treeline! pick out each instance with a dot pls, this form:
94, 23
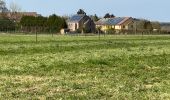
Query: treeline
52, 23
31, 24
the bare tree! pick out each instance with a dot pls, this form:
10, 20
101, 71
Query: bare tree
14, 10
14, 7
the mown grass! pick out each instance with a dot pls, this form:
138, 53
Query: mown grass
84, 67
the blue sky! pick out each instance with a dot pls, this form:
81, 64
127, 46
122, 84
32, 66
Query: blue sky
156, 10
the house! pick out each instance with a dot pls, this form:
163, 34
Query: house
156, 26
81, 23
16, 16
165, 27
125, 24
142, 26
116, 23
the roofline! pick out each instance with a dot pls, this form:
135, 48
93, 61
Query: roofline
77, 20
124, 20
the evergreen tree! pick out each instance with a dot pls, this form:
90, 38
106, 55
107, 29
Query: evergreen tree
81, 12
51, 24
95, 18
107, 15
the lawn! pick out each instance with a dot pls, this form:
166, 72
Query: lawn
85, 67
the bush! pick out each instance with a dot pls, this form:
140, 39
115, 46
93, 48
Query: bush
7, 25
110, 31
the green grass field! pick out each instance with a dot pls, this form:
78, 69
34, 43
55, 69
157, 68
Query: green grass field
84, 67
